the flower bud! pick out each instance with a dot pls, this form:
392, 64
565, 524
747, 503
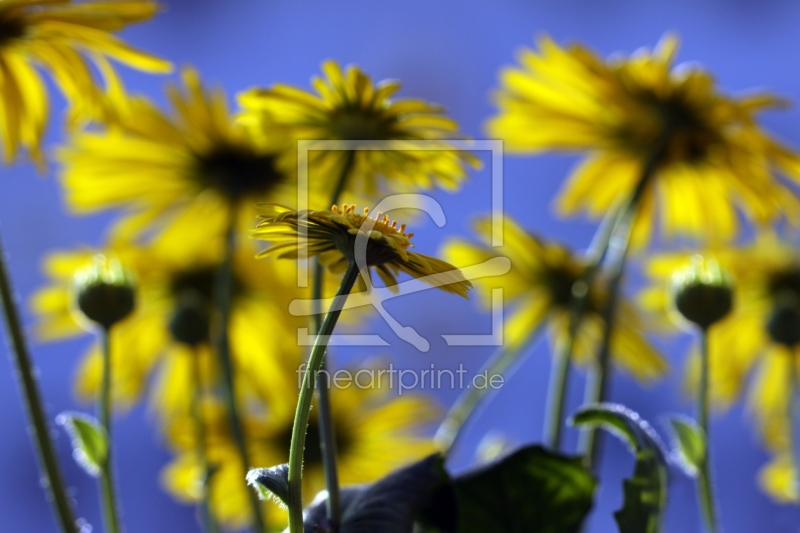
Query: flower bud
702, 292
783, 324
104, 291
191, 320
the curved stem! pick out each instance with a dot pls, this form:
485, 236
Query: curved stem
306, 394
107, 487
223, 301
704, 483
327, 432
452, 427
617, 251
209, 524
21, 360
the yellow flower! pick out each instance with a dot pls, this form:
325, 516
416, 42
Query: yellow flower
375, 435
715, 159
538, 291
778, 479
348, 106
192, 171
59, 36
740, 345
333, 235
143, 345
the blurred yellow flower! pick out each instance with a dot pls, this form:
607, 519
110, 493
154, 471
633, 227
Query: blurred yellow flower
261, 329
188, 174
59, 37
538, 292
375, 435
714, 157
332, 235
778, 479
348, 106
764, 274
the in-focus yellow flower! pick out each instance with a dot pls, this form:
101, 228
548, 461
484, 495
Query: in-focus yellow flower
765, 273
191, 172
333, 236
538, 292
375, 435
348, 106
261, 329
715, 159
778, 479
59, 37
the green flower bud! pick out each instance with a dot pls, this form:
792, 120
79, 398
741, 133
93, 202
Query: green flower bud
702, 292
104, 291
783, 324
191, 320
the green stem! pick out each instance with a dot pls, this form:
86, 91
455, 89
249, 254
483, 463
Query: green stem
617, 251
21, 360
452, 427
209, 524
557, 391
327, 431
107, 486
704, 483
223, 301
306, 394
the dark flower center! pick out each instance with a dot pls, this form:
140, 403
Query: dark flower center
359, 125
787, 281
238, 172
200, 282
560, 281
11, 28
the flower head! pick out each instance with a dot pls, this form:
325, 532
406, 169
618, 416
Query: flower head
348, 106
59, 37
104, 291
741, 345
712, 158
375, 435
702, 292
335, 236
160, 343
538, 292
190, 171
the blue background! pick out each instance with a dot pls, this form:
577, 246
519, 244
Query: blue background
449, 53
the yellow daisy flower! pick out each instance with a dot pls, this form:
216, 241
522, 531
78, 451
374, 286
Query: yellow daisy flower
59, 36
348, 106
713, 161
333, 236
165, 282
192, 172
764, 273
375, 435
538, 292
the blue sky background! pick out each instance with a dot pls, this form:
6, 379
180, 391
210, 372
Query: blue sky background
449, 53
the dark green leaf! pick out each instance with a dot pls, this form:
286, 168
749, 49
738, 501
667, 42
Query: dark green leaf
89, 441
271, 483
388, 506
533, 490
690, 444
645, 492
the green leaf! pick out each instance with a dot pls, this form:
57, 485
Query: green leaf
271, 483
690, 444
533, 490
645, 492
89, 441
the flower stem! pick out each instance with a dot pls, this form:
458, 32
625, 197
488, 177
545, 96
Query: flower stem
52, 482
306, 394
107, 487
619, 238
209, 524
704, 484
557, 393
223, 300
327, 431
465, 407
